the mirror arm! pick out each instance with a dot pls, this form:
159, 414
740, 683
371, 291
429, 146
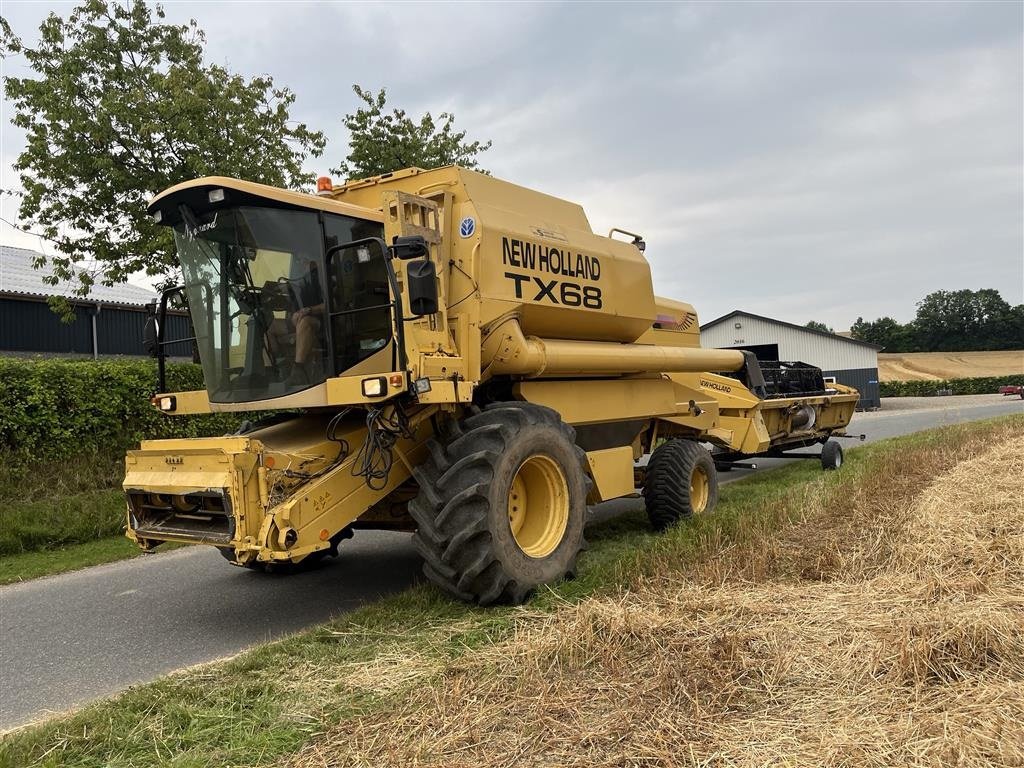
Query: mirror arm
409, 247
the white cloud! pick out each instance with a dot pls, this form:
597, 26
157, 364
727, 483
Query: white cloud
803, 161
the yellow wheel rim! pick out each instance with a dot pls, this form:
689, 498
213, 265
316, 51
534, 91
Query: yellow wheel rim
700, 489
538, 506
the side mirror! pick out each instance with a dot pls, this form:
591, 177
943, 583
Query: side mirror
422, 277
149, 337
150, 333
410, 247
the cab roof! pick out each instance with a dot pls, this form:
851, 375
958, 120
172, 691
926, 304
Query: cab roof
195, 194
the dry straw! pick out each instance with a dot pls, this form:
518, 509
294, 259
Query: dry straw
888, 631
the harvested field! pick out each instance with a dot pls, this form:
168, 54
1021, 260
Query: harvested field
883, 627
933, 366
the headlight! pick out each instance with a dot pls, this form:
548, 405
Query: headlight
376, 387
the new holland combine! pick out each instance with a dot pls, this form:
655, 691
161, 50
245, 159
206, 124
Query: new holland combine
447, 354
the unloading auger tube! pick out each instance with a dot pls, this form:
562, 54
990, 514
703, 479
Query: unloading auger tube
510, 352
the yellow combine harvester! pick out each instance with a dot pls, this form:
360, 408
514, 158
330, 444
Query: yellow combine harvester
452, 355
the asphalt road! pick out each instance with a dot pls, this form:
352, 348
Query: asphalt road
66, 640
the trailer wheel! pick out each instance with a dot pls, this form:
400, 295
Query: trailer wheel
502, 504
681, 481
831, 455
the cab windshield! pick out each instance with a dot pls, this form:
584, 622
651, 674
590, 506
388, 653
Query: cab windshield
261, 302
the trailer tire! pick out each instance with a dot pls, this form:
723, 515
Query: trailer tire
476, 541
681, 481
831, 455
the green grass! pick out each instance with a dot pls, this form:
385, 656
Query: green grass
269, 701
27, 480
33, 526
32, 565
56, 516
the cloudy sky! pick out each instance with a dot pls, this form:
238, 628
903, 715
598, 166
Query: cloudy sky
804, 161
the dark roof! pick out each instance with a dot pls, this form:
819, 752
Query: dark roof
804, 328
18, 277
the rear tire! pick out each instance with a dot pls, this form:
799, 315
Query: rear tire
681, 481
502, 504
831, 455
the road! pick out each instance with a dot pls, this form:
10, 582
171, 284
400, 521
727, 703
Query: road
66, 640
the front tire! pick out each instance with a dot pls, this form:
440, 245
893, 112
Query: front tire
681, 481
502, 504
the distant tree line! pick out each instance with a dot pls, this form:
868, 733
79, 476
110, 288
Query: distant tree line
950, 321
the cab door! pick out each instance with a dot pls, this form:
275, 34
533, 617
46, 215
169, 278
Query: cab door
361, 308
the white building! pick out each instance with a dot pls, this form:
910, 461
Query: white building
850, 361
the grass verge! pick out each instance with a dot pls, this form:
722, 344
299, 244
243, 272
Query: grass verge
49, 562
61, 515
50, 524
417, 679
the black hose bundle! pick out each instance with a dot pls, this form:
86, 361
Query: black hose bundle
375, 458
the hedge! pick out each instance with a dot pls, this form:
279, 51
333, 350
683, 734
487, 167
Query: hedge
977, 386
54, 408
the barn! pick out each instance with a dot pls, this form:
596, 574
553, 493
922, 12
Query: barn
107, 322
851, 362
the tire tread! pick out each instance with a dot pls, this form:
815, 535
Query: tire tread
451, 511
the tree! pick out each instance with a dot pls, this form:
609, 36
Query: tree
1000, 324
946, 320
122, 106
814, 325
382, 141
955, 321
885, 332
950, 321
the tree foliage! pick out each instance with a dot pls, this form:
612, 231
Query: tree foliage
382, 141
885, 332
814, 325
950, 321
955, 321
121, 106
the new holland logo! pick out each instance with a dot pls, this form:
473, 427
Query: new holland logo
467, 227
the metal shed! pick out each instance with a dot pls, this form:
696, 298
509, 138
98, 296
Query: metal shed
107, 322
850, 361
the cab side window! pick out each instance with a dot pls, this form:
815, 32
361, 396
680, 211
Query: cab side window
359, 290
